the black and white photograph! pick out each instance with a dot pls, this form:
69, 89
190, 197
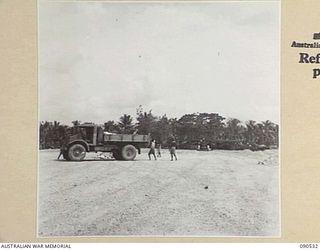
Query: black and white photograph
159, 119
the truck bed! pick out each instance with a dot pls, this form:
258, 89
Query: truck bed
126, 138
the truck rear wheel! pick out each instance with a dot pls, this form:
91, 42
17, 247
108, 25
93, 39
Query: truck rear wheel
77, 152
128, 152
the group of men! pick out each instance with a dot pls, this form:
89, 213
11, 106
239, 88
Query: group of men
154, 147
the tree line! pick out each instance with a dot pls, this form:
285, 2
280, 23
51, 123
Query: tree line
190, 131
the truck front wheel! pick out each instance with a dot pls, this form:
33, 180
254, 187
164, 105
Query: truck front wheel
128, 152
77, 152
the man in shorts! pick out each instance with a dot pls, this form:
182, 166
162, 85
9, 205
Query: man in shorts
173, 147
152, 149
159, 150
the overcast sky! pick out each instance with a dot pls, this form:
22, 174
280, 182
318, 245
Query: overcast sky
98, 61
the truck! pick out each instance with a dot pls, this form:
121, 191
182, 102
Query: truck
89, 137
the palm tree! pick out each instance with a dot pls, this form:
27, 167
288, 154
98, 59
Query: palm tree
233, 128
270, 133
251, 130
125, 124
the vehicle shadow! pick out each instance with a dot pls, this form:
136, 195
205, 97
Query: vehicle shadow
94, 160
85, 160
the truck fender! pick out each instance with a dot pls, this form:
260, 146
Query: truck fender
82, 142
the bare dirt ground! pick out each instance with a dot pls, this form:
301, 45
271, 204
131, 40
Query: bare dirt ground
216, 193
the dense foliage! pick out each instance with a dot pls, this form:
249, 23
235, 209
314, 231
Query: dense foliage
190, 131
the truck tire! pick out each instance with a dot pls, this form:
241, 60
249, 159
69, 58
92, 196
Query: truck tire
128, 152
76, 152
116, 154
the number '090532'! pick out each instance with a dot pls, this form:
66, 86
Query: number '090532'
310, 246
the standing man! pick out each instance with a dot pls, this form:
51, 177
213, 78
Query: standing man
159, 150
152, 149
61, 153
173, 147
